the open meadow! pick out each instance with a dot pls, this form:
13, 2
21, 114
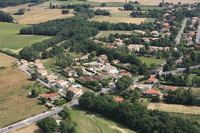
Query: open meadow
6, 61
107, 33
32, 128
149, 61
9, 37
89, 123
14, 103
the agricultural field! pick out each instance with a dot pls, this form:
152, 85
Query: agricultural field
107, 33
10, 39
14, 102
89, 123
149, 61
6, 61
35, 14
174, 108
32, 128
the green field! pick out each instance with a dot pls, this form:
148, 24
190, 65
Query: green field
192, 117
107, 33
149, 61
9, 37
89, 123
150, 20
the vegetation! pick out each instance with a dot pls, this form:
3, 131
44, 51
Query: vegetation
123, 83
69, 96
48, 124
5, 3
4, 17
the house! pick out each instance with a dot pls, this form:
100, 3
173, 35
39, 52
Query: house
71, 72
135, 47
118, 40
116, 61
189, 38
165, 30
112, 75
143, 86
57, 118
191, 33
42, 72
24, 62
155, 33
126, 65
168, 34
94, 64
17, 63
37, 61
70, 80
146, 39
152, 92
125, 74
167, 88
39, 66
166, 14
110, 46
180, 61
51, 78
96, 41
100, 77
103, 57
152, 80
61, 83
76, 59
188, 56
85, 57
51, 96
166, 48
118, 99
139, 32
190, 43
165, 24
158, 70
76, 91
110, 69
85, 79
122, 71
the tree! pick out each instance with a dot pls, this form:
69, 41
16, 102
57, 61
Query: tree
48, 124
158, 76
156, 99
53, 89
99, 88
166, 67
34, 93
79, 71
103, 4
69, 96
65, 11
143, 69
65, 113
187, 70
67, 126
128, 7
153, 65
44, 100
123, 83
35, 75
21, 11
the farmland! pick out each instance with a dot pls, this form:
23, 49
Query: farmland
88, 123
9, 37
14, 103
149, 61
107, 33
32, 128
6, 60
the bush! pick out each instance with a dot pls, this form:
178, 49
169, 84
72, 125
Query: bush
59, 103
65, 11
48, 106
103, 4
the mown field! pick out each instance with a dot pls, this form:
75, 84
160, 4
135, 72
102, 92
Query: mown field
6, 61
14, 103
9, 37
32, 128
149, 61
89, 123
107, 33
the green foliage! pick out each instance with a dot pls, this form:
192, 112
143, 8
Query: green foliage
48, 124
103, 4
156, 99
35, 75
79, 72
4, 17
128, 7
65, 11
123, 83
21, 11
67, 126
101, 12
69, 96
34, 93
53, 89
59, 103
143, 69
48, 106
44, 100
64, 60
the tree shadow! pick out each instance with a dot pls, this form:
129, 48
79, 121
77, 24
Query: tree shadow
29, 96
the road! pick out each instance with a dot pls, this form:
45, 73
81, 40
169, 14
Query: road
198, 35
178, 39
35, 118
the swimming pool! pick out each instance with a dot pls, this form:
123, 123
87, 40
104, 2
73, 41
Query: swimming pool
115, 71
77, 86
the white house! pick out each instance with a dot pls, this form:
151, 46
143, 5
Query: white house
76, 91
61, 83
70, 80
143, 86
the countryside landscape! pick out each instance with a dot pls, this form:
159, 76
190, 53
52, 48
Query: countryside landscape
111, 66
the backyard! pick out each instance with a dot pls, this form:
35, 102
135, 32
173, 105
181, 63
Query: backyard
149, 61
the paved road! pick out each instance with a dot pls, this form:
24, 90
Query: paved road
178, 39
35, 118
198, 35
180, 70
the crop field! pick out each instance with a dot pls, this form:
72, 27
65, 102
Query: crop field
6, 61
107, 33
149, 61
9, 37
89, 123
174, 108
14, 103
32, 128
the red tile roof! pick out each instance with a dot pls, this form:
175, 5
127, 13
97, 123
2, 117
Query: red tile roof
99, 77
85, 79
121, 71
126, 74
188, 56
118, 99
152, 79
153, 92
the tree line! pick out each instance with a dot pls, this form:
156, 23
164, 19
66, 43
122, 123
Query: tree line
5, 17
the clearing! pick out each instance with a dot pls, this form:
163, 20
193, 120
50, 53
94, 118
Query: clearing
107, 33
149, 61
174, 108
14, 102
35, 14
9, 37
88, 123
32, 128
6, 61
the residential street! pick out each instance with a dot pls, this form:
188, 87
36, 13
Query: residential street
198, 35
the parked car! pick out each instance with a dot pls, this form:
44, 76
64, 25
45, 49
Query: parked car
10, 127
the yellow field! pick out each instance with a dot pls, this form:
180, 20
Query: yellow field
6, 60
174, 108
36, 14
14, 103
117, 19
32, 128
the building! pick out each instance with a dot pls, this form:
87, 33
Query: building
24, 62
152, 80
57, 118
118, 99
139, 32
116, 61
168, 34
135, 47
51, 96
179, 61
17, 63
155, 33
112, 75
165, 24
110, 46
191, 33
61, 83
42, 72
167, 88
37, 61
122, 71
85, 79
76, 91
39, 66
152, 92
85, 57
71, 72
165, 30
103, 57
94, 64
125, 74
51, 78
100, 77
110, 69
158, 70
143, 86
70, 80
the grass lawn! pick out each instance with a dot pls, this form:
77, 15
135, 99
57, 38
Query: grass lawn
14, 102
9, 37
150, 20
107, 33
49, 62
89, 123
149, 61
6, 60
32, 128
